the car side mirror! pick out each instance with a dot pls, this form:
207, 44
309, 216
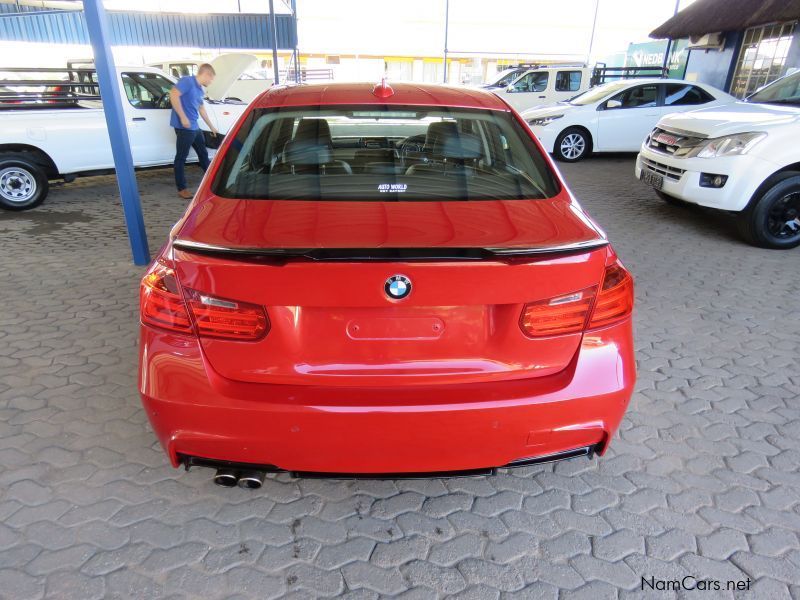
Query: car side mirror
613, 104
510, 88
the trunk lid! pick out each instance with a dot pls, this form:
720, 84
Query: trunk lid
331, 319
288, 224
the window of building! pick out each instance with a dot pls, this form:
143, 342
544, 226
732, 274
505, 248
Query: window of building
568, 81
399, 70
762, 58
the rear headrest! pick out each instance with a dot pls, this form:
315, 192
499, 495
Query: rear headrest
436, 133
445, 140
313, 131
462, 147
306, 153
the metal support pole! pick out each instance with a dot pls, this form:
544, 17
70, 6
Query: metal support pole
594, 27
296, 53
669, 41
108, 79
274, 23
446, 25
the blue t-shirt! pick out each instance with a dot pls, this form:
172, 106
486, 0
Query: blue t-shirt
191, 99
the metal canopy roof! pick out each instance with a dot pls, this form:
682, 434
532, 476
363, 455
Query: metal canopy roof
229, 30
713, 16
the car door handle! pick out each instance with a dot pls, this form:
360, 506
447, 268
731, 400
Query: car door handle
542, 96
139, 119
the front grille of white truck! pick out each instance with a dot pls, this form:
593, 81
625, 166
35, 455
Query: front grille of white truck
672, 173
672, 142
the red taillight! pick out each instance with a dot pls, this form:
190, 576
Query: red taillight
162, 305
226, 319
585, 309
160, 301
615, 300
559, 315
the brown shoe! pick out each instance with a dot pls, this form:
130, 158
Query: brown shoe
185, 194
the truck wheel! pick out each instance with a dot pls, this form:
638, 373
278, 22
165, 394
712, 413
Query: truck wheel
23, 183
772, 220
671, 199
572, 145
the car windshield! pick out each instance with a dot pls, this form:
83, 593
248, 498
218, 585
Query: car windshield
782, 91
503, 78
598, 93
382, 153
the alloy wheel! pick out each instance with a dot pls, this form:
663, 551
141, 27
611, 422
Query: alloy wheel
573, 146
783, 218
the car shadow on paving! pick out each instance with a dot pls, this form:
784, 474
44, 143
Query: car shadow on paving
702, 479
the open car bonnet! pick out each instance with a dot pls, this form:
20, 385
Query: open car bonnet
229, 68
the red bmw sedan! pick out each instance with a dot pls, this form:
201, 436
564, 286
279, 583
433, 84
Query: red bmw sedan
383, 281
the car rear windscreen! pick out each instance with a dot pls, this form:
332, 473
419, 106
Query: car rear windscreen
382, 153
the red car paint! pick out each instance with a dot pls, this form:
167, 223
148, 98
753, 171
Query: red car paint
338, 377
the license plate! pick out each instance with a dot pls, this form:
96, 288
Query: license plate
653, 179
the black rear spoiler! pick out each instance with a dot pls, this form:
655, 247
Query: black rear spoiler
388, 254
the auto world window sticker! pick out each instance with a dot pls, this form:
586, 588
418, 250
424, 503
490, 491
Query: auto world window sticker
384, 188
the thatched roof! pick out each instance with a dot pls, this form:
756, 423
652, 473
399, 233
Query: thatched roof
713, 16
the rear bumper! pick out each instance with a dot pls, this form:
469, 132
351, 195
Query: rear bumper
412, 429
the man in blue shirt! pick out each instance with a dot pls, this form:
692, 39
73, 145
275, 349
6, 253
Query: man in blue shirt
187, 106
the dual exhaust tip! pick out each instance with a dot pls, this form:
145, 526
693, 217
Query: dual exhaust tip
248, 480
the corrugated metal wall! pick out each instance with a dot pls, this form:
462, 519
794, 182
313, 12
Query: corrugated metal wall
240, 31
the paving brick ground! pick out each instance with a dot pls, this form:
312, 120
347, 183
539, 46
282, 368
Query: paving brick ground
703, 479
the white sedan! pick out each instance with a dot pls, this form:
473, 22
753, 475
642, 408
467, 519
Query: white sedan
616, 116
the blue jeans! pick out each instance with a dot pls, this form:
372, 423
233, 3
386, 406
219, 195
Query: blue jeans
188, 138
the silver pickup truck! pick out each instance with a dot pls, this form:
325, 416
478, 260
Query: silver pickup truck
59, 131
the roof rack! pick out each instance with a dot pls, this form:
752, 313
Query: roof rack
544, 65
604, 74
26, 88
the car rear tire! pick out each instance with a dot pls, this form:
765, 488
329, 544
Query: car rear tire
671, 199
23, 183
772, 219
572, 144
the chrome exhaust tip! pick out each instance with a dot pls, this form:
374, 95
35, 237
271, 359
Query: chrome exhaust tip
251, 480
226, 478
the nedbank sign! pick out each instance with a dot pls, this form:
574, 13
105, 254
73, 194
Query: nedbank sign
651, 54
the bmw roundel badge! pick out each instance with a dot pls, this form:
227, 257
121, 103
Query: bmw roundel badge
397, 287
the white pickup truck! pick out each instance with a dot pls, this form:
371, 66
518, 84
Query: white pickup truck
541, 86
59, 131
545, 85
743, 158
